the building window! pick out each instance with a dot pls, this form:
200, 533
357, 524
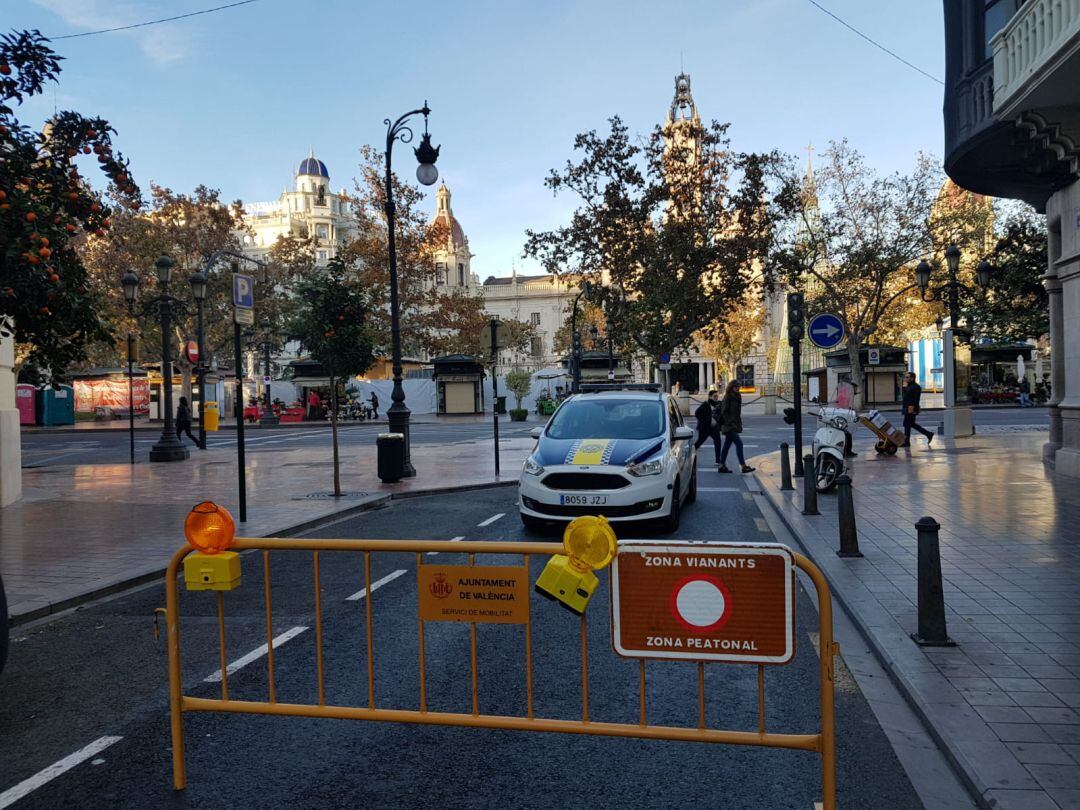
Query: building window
322, 232
461, 275
534, 318
322, 256
996, 16
440, 273
536, 347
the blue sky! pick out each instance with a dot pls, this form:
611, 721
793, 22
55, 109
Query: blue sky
235, 99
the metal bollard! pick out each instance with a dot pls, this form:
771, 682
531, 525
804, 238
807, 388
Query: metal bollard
809, 486
785, 467
849, 535
932, 631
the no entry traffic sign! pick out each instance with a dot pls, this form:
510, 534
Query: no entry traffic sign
706, 602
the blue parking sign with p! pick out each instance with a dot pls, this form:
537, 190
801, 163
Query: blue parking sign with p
243, 291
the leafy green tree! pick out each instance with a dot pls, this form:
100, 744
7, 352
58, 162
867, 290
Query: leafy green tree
518, 383
668, 232
46, 208
331, 324
1016, 307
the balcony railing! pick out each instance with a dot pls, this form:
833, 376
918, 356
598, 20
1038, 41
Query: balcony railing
1029, 44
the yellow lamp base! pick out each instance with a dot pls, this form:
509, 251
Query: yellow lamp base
212, 572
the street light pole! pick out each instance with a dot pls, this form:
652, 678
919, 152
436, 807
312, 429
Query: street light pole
268, 417
197, 280
957, 422
168, 447
426, 154
575, 349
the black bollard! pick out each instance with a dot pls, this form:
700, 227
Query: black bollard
849, 535
785, 467
932, 632
809, 486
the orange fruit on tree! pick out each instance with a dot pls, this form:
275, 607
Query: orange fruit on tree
54, 278
5, 70
31, 216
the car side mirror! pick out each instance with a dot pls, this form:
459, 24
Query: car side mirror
682, 433
536, 432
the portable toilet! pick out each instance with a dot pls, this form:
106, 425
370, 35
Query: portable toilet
56, 406
26, 402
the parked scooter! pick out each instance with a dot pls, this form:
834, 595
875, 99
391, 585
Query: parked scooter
831, 438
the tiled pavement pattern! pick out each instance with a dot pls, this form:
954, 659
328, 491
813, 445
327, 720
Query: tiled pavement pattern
82, 529
1006, 701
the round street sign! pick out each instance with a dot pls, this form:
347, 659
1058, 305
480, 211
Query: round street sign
826, 330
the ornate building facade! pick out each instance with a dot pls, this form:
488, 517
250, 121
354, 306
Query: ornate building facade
310, 210
453, 260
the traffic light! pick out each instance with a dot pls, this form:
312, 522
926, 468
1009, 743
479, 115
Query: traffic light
576, 344
796, 316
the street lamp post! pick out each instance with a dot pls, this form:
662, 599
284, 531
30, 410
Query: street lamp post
426, 173
168, 447
268, 417
575, 337
197, 280
957, 411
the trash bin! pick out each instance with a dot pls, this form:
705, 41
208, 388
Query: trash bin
391, 451
500, 404
210, 416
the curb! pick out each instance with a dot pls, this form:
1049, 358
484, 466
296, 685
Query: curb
157, 572
957, 759
256, 428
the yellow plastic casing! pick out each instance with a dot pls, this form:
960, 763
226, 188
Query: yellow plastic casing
212, 572
568, 585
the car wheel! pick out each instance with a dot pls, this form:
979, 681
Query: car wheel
670, 523
530, 522
691, 493
829, 469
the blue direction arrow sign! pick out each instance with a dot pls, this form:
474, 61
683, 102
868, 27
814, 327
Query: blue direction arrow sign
826, 330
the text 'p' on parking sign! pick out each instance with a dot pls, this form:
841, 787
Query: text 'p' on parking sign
704, 602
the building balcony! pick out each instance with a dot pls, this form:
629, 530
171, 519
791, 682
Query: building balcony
1037, 58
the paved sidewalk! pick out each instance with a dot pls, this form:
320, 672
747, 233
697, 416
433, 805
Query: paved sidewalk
1005, 703
82, 530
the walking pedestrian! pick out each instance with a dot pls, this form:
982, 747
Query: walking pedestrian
183, 420
912, 393
707, 425
1025, 393
731, 426
374, 400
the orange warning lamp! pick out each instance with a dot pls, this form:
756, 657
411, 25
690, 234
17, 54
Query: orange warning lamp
209, 528
590, 545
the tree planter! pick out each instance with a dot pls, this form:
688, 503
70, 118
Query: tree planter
518, 414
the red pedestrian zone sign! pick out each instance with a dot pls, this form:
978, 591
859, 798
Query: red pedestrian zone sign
704, 601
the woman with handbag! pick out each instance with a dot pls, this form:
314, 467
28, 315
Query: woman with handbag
912, 393
731, 427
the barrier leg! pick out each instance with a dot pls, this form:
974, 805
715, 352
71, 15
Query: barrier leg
176, 717
785, 467
809, 486
932, 631
849, 534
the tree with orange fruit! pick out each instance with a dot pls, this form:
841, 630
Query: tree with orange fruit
46, 205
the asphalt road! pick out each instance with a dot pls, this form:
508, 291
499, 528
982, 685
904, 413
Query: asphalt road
98, 674
763, 433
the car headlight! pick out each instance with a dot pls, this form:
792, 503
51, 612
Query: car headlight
532, 467
654, 467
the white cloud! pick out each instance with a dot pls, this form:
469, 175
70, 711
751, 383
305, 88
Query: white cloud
163, 44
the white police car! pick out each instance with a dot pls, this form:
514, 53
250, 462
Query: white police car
620, 452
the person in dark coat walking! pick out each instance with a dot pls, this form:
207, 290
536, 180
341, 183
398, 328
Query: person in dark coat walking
731, 426
374, 400
707, 426
183, 420
912, 393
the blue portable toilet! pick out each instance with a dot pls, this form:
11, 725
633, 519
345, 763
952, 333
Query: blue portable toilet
56, 406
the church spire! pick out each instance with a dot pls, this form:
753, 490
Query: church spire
682, 106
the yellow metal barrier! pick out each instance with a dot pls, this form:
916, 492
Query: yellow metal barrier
822, 742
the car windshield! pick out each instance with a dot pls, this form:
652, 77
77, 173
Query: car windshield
608, 419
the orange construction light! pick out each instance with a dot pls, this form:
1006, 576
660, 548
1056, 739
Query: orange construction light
209, 528
590, 545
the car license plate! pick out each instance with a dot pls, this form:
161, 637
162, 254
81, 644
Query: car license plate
583, 500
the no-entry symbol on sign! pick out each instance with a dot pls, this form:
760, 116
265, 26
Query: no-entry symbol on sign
706, 602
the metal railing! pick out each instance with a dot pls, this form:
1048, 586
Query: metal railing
1038, 31
821, 742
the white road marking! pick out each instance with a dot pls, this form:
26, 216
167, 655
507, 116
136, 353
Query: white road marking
457, 539
762, 526
719, 489
360, 594
492, 519
254, 655
27, 786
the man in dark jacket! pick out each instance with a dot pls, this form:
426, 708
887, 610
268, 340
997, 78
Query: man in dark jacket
707, 426
912, 393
